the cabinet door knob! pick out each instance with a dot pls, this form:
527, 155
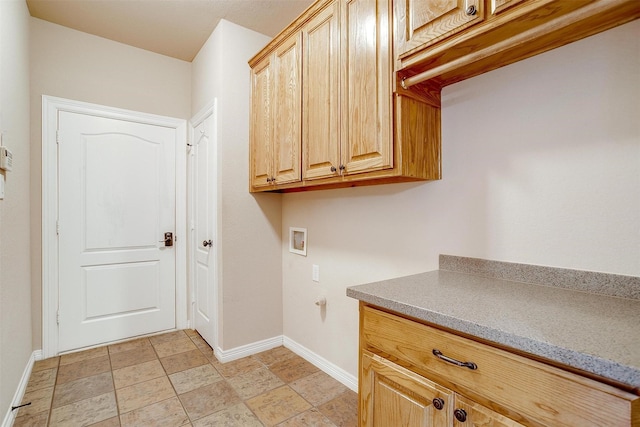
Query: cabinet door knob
438, 403
207, 243
460, 414
471, 10
333, 169
342, 167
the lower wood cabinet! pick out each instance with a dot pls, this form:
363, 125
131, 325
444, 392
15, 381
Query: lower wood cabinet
473, 414
391, 395
413, 374
395, 396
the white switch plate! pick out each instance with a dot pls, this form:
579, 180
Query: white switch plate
1, 186
315, 273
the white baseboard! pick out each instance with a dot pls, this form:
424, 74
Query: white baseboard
329, 368
10, 416
247, 350
323, 364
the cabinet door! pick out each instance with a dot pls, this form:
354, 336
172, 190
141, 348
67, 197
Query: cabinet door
261, 123
498, 6
320, 130
391, 395
476, 415
286, 111
423, 22
367, 140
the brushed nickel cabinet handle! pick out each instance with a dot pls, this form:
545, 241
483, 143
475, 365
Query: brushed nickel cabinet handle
441, 356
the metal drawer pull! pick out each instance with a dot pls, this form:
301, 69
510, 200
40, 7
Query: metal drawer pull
441, 356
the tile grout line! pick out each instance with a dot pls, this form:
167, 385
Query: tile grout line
53, 393
153, 347
206, 352
113, 381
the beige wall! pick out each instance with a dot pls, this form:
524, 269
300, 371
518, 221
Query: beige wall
79, 66
541, 165
15, 279
250, 277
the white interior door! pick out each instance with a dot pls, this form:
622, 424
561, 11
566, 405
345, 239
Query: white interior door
116, 200
205, 247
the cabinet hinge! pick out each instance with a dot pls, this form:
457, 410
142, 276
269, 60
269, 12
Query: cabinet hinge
57, 228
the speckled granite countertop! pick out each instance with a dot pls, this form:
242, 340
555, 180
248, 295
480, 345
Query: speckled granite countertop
596, 333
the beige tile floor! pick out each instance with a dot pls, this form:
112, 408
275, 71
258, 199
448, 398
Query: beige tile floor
175, 380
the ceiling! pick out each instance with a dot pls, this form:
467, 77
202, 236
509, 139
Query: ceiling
176, 28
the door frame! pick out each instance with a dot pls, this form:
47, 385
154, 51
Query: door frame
51, 106
211, 109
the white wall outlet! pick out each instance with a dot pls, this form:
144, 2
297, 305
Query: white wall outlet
315, 273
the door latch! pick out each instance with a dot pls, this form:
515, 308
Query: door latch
168, 239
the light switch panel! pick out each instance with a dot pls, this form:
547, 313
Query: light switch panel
315, 273
1, 186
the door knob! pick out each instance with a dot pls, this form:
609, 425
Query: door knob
168, 239
207, 243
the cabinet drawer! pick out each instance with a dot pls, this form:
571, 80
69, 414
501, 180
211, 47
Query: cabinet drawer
530, 392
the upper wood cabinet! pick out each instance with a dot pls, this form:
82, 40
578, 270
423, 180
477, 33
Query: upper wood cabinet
349, 93
441, 42
261, 131
367, 139
321, 133
348, 124
498, 6
275, 116
420, 23
347, 90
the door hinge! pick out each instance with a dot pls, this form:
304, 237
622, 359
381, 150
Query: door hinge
57, 137
58, 317
57, 228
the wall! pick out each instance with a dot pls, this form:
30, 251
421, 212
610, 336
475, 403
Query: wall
249, 277
15, 292
79, 66
541, 165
